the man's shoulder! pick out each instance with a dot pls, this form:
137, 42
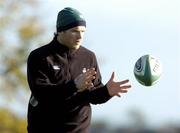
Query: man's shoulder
87, 51
40, 51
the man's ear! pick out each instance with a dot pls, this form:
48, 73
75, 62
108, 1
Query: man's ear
60, 33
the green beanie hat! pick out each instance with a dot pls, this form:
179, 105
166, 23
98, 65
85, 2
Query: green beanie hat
69, 18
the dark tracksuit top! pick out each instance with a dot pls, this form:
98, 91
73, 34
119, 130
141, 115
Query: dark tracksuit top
55, 105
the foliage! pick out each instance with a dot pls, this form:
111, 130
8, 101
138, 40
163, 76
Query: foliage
20, 26
10, 123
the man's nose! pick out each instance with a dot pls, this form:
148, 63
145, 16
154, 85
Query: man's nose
79, 35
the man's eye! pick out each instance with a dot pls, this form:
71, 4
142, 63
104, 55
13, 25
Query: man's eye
75, 31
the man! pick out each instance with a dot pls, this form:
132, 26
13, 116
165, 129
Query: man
64, 79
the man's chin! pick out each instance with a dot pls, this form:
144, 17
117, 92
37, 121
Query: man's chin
76, 47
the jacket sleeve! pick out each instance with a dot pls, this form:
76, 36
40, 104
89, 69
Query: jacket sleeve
41, 85
97, 96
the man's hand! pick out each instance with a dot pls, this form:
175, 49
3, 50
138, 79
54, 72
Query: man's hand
117, 88
84, 80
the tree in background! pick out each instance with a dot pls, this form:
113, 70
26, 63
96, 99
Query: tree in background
10, 123
20, 26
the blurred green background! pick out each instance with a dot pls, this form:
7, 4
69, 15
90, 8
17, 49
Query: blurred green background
22, 28
18, 30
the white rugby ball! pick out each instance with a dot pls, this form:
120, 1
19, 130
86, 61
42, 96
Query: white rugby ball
147, 70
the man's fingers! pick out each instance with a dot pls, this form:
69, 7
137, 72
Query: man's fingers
123, 90
112, 77
123, 82
90, 74
118, 95
90, 85
84, 80
126, 87
90, 78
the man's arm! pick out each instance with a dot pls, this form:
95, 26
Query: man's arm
40, 83
96, 94
99, 93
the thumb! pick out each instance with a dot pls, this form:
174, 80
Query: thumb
112, 76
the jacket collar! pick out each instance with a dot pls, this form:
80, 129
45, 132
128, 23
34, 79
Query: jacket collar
61, 48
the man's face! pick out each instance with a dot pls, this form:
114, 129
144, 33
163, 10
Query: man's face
72, 38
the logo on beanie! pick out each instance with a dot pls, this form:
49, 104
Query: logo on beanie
81, 16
